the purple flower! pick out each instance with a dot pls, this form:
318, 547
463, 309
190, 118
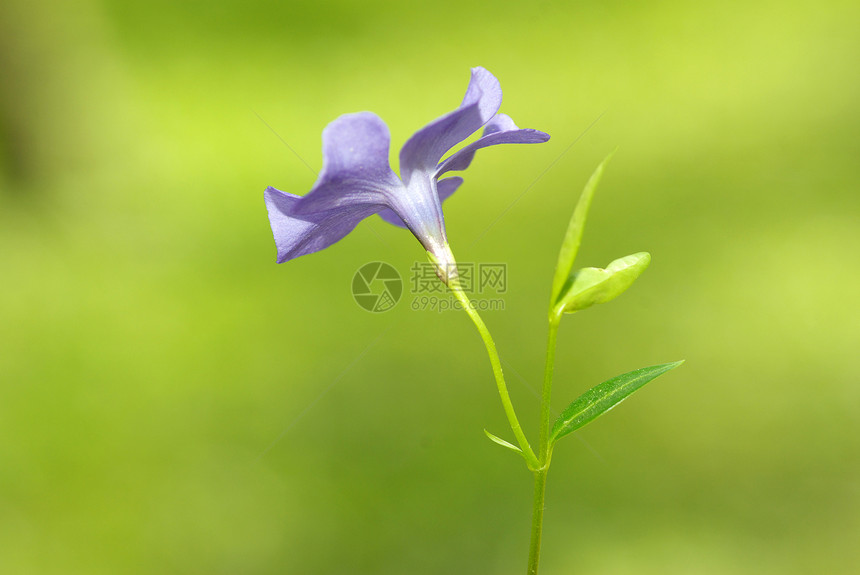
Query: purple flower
356, 180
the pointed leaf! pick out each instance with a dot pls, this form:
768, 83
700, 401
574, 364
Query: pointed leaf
601, 398
589, 286
502, 442
573, 236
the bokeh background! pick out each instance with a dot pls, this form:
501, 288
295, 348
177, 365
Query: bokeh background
171, 401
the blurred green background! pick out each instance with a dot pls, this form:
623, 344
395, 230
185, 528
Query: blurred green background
171, 401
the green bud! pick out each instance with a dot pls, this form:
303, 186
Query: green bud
589, 286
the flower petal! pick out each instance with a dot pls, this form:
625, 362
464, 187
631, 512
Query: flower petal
500, 130
444, 188
297, 235
355, 166
427, 146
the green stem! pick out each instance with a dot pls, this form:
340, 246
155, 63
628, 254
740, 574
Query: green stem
531, 459
546, 396
538, 464
544, 449
537, 520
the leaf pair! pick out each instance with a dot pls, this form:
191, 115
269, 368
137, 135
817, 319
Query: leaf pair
577, 290
589, 286
574, 291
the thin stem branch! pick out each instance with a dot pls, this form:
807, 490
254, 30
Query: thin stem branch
539, 464
530, 456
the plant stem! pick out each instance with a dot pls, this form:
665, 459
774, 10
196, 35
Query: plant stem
537, 520
530, 456
544, 449
546, 395
538, 464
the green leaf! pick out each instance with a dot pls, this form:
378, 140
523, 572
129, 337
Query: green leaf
589, 286
502, 442
601, 398
573, 236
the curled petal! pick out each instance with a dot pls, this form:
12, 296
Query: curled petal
500, 123
297, 235
444, 188
424, 149
355, 166
500, 130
